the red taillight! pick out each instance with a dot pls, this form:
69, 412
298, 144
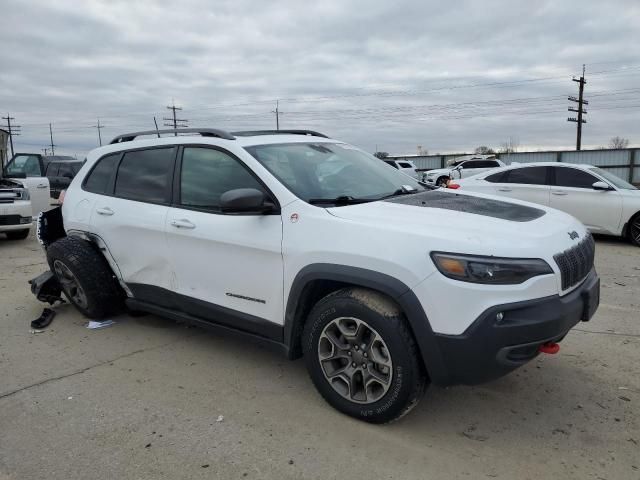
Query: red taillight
61, 197
453, 185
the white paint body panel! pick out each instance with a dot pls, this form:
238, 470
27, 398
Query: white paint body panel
600, 211
40, 192
260, 256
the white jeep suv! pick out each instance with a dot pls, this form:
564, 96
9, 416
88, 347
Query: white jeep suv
284, 236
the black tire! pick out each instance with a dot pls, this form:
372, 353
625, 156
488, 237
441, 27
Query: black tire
18, 234
408, 380
442, 182
634, 230
101, 294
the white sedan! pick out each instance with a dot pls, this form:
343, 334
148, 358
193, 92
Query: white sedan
602, 201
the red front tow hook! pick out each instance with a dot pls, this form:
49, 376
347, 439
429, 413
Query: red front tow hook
551, 348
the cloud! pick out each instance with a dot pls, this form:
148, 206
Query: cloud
445, 76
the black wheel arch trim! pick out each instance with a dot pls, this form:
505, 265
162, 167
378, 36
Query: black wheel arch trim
385, 284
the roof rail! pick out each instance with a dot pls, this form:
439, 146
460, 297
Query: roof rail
251, 133
205, 132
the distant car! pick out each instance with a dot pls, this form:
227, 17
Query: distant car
602, 201
461, 168
15, 209
405, 166
60, 171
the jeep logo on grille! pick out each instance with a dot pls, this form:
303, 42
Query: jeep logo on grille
573, 235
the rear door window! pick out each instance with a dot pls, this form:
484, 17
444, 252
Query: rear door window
52, 169
65, 170
145, 175
573, 177
528, 176
497, 177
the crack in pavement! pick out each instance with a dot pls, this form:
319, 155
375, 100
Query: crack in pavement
83, 370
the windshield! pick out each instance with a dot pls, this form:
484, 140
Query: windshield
332, 170
24, 164
611, 178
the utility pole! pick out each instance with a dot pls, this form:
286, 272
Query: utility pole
45, 150
53, 152
580, 111
277, 112
99, 127
175, 122
13, 130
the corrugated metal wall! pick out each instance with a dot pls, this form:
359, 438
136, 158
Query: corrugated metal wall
617, 162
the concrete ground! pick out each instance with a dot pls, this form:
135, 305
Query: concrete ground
142, 400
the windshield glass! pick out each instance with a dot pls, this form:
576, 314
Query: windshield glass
27, 164
331, 170
615, 180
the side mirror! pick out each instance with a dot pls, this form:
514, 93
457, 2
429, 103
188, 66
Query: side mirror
603, 186
244, 200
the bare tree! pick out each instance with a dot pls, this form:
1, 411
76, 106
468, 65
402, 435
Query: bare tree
381, 154
618, 142
510, 146
484, 150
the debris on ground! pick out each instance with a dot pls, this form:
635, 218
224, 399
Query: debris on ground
43, 321
220, 418
94, 324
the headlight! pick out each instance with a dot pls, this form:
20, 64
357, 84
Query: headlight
24, 194
431, 174
489, 270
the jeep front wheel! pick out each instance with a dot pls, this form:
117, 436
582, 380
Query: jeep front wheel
362, 357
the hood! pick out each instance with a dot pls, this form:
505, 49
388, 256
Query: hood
471, 223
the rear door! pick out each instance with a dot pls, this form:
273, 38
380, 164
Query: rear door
573, 192
36, 182
130, 216
224, 261
527, 183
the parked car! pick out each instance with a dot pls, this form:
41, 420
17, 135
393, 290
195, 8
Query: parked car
26, 169
405, 166
602, 201
258, 233
15, 209
461, 168
60, 170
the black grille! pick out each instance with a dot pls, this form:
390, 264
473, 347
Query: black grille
577, 262
10, 219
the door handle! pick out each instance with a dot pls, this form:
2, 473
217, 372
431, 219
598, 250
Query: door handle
183, 223
560, 194
42, 185
504, 189
104, 211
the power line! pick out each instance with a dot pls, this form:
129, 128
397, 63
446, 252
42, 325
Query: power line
99, 127
13, 130
177, 122
580, 111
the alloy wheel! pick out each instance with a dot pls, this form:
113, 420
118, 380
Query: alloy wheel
355, 360
70, 284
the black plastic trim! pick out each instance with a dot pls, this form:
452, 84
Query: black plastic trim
151, 297
380, 282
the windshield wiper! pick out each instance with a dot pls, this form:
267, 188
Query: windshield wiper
398, 192
341, 200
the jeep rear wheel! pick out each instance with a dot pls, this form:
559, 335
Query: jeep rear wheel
85, 277
362, 357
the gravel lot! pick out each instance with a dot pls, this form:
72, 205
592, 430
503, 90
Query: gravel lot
142, 400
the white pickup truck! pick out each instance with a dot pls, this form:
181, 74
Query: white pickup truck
26, 169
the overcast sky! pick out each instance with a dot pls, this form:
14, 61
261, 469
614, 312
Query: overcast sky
445, 75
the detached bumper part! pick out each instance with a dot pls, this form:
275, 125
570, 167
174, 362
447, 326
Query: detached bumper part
506, 337
46, 288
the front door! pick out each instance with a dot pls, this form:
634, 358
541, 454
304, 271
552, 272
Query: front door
224, 263
572, 192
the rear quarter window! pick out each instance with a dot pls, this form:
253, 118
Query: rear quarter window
99, 178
